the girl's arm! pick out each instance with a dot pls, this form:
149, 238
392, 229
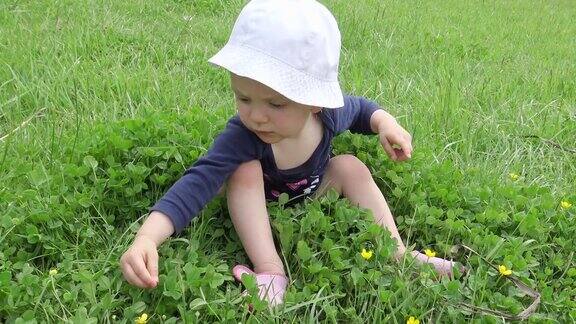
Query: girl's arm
397, 142
139, 263
354, 115
381, 118
200, 183
363, 116
185, 199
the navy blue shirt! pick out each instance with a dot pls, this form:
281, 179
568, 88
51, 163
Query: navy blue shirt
237, 144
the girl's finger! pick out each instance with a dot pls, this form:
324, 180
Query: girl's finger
152, 265
406, 149
388, 148
131, 276
401, 155
402, 147
140, 269
408, 146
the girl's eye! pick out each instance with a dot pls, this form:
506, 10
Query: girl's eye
277, 105
244, 99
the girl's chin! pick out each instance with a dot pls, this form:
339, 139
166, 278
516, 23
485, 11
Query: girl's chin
268, 137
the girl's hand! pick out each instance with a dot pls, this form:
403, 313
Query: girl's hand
397, 142
140, 263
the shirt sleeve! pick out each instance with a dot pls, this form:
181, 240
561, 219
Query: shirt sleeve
354, 115
201, 182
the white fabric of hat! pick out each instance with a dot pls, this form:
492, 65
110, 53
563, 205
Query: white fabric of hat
291, 46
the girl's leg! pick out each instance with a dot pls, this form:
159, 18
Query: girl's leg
247, 208
351, 178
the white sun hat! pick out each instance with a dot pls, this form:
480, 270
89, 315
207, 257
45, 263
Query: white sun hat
291, 46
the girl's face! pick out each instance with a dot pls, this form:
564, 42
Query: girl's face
270, 115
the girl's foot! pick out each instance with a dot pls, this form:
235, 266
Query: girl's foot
272, 286
443, 267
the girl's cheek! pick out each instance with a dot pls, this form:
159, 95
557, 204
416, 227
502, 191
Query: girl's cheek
242, 113
280, 119
242, 108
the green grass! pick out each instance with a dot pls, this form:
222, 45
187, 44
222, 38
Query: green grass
120, 99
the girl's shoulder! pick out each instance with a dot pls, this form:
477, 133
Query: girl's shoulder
333, 117
354, 115
236, 127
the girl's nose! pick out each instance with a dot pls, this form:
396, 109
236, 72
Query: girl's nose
258, 114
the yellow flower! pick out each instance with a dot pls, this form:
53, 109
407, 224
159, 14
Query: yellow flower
430, 253
366, 254
565, 204
53, 272
514, 176
143, 319
412, 320
504, 271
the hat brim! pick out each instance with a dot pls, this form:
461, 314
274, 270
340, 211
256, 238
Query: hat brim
290, 82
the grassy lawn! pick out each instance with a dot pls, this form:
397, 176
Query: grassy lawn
103, 104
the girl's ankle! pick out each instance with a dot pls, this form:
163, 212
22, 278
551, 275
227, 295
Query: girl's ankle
400, 254
269, 268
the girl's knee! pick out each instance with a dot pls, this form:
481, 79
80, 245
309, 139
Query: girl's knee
350, 167
247, 174
344, 172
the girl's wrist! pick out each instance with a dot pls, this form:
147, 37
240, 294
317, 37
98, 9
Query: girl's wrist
157, 228
146, 237
381, 120
387, 123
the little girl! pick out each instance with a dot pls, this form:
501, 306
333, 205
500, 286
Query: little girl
283, 60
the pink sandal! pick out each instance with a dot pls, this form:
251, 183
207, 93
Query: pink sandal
272, 286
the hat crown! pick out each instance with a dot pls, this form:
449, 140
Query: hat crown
300, 33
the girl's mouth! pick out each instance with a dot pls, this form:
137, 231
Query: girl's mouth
264, 133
